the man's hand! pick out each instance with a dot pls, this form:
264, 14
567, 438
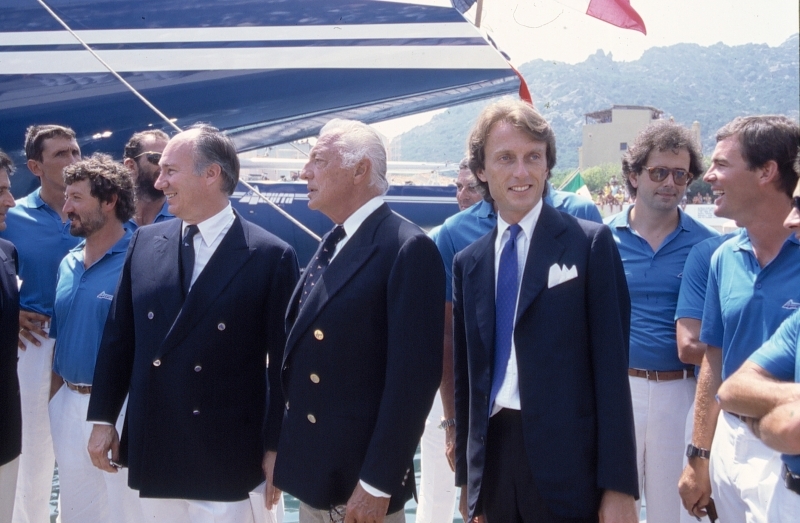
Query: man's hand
450, 447
363, 507
695, 487
104, 438
272, 495
31, 322
616, 507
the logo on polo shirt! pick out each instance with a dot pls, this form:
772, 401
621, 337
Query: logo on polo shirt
791, 305
109, 297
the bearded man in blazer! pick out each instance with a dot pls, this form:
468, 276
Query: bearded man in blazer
363, 356
544, 424
198, 310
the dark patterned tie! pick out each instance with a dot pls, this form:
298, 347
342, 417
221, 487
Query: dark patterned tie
187, 258
505, 307
321, 260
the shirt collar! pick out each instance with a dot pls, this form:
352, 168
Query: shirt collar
165, 211
743, 242
211, 227
623, 220
485, 209
527, 223
354, 221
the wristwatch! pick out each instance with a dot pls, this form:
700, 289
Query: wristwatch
696, 452
447, 423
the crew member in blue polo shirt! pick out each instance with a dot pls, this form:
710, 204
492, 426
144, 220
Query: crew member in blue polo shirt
141, 156
456, 233
99, 201
39, 229
753, 285
766, 389
654, 238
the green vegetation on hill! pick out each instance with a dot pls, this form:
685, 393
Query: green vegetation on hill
711, 85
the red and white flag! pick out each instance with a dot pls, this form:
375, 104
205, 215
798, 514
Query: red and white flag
615, 12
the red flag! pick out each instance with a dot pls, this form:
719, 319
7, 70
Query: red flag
618, 13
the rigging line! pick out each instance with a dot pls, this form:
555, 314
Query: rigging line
170, 122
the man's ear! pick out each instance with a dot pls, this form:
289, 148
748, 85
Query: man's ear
213, 174
111, 203
129, 163
769, 173
362, 172
35, 168
634, 179
481, 175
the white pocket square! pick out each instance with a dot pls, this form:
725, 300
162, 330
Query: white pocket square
559, 274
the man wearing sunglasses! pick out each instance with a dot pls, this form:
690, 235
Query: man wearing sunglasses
753, 285
141, 156
766, 389
654, 237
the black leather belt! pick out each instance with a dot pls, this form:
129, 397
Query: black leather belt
791, 480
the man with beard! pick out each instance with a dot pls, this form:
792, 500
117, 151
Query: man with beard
141, 156
99, 201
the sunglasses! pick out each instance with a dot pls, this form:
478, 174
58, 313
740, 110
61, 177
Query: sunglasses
155, 157
796, 203
659, 174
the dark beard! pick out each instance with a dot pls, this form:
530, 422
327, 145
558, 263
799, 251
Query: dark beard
145, 190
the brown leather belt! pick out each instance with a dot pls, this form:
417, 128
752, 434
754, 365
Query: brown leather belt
80, 389
662, 375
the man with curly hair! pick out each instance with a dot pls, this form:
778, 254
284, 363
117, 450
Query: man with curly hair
99, 201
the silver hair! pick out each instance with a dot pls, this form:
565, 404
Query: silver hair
356, 141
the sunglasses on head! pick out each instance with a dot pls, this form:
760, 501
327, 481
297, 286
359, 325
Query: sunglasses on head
659, 174
151, 157
796, 203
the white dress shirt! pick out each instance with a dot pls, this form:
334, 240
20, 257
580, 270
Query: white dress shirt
508, 395
206, 241
354, 221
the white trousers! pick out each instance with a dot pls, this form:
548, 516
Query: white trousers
35, 480
158, 510
659, 415
784, 507
88, 495
437, 490
744, 472
686, 517
8, 489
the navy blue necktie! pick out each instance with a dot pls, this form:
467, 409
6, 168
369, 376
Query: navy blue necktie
187, 257
321, 260
505, 307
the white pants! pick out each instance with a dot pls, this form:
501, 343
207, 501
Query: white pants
88, 495
35, 480
686, 517
659, 415
158, 510
437, 490
744, 472
8, 488
784, 507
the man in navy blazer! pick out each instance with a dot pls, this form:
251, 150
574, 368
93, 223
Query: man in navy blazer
190, 329
10, 413
544, 425
364, 350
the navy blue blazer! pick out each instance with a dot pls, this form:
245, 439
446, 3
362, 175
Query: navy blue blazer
10, 413
196, 371
572, 355
362, 365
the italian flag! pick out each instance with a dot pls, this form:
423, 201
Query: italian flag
575, 184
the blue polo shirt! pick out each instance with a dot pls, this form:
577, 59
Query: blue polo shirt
780, 357
745, 304
163, 215
83, 298
695, 277
42, 241
654, 280
463, 228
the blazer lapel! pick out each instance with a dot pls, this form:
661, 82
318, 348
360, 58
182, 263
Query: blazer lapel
347, 263
226, 262
544, 250
482, 276
165, 264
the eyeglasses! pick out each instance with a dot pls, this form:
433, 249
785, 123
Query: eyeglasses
796, 203
659, 174
152, 157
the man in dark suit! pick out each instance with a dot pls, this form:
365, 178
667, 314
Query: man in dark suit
544, 426
10, 413
364, 350
190, 328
